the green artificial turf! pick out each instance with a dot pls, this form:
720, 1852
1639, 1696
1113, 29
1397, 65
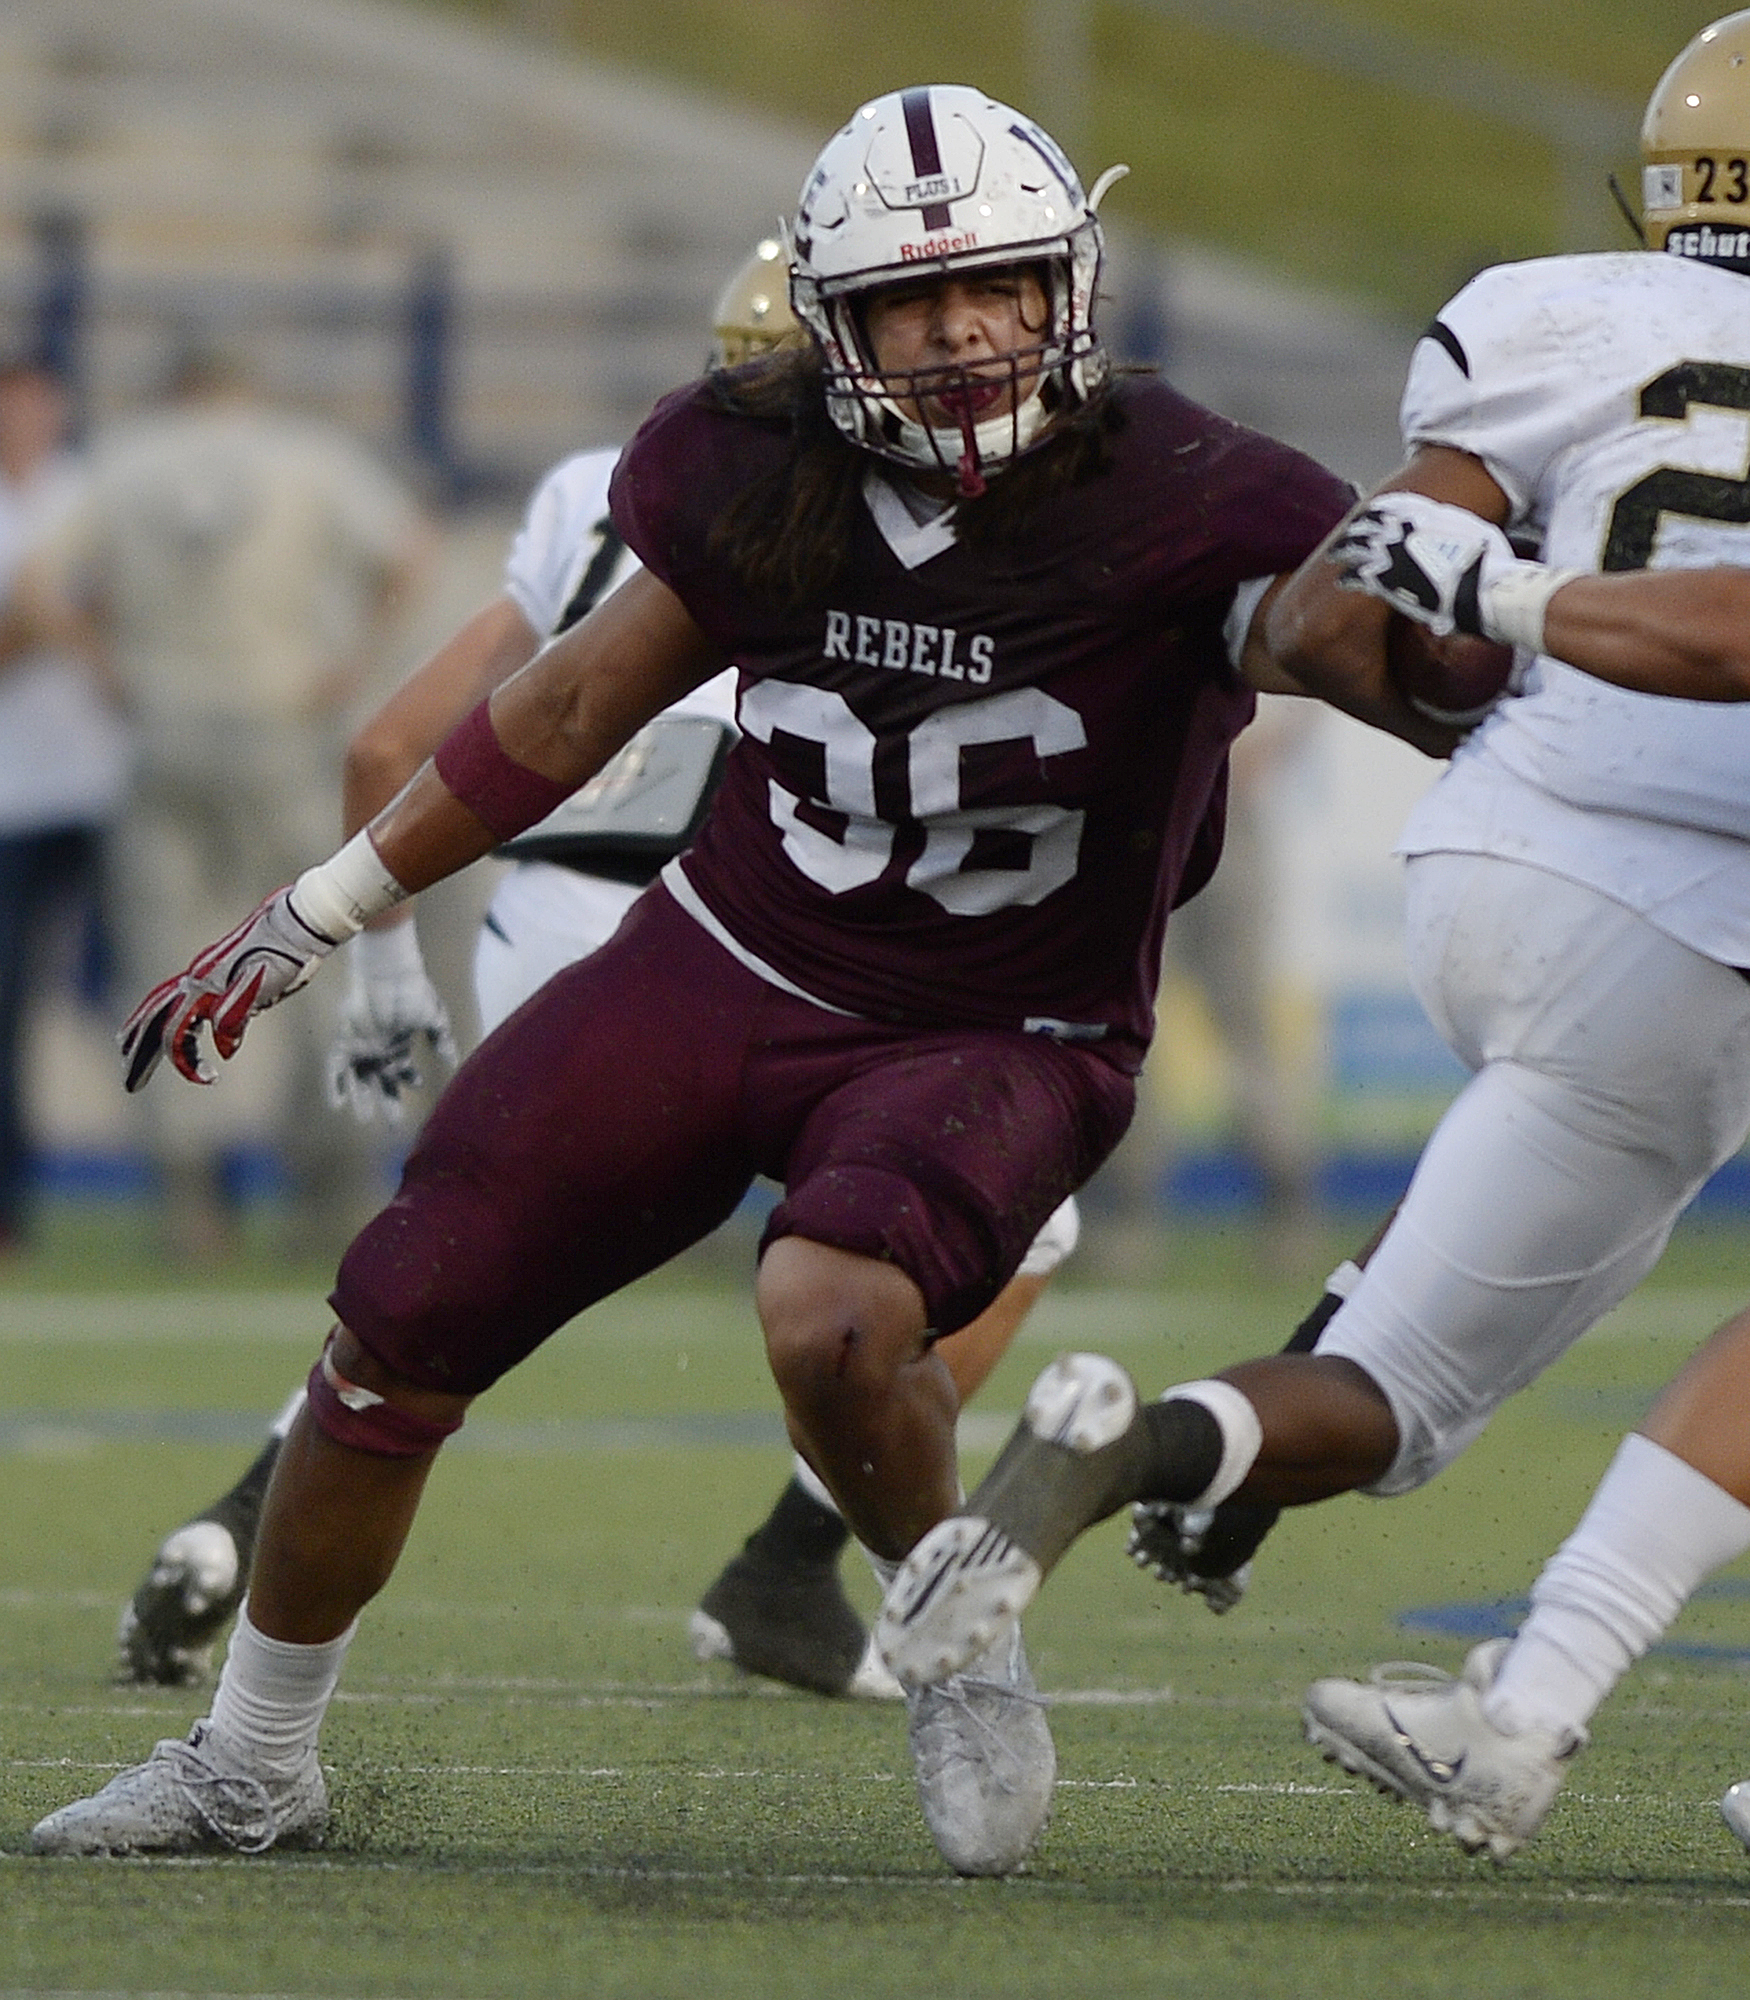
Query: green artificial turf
537, 1790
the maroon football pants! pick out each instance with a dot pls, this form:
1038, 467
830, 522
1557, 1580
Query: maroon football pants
621, 1114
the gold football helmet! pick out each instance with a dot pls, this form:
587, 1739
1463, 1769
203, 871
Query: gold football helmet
753, 313
1695, 143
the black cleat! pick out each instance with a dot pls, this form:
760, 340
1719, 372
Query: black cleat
1206, 1551
790, 1621
190, 1594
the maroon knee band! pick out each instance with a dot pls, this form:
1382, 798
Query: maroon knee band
364, 1421
504, 795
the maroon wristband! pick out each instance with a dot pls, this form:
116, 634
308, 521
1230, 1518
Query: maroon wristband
504, 795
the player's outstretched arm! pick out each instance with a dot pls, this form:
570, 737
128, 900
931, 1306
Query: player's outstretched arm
546, 730
1683, 632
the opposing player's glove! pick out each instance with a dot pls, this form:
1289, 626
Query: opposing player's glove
1447, 569
391, 1022
270, 954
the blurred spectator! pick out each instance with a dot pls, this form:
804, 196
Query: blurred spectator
63, 761
237, 569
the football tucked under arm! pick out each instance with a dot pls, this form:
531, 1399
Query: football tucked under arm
1447, 569
1454, 680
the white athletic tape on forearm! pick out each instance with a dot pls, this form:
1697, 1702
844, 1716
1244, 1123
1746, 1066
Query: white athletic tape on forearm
339, 896
1242, 1436
1513, 601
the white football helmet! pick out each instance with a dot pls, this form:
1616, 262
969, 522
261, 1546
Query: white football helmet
944, 178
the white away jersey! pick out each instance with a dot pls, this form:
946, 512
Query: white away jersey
568, 555
1610, 398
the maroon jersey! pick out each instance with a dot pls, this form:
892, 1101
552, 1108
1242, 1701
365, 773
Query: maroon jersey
967, 792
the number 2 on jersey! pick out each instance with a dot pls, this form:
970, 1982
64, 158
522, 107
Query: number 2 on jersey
1703, 496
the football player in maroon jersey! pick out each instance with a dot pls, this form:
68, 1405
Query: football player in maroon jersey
778, 1606
993, 617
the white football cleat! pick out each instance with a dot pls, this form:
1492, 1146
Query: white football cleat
985, 1762
962, 1588
1421, 1734
1735, 1810
180, 1801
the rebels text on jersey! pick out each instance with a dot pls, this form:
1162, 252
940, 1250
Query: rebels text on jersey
968, 790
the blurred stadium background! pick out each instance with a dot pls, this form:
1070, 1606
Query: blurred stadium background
485, 232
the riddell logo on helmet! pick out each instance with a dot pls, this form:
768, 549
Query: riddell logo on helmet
937, 246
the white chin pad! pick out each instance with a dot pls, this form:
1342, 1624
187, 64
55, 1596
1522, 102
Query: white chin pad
999, 439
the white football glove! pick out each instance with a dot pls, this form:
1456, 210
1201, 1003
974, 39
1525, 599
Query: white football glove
270, 954
391, 1008
1446, 568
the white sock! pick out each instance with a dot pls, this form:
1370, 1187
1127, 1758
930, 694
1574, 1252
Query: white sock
1655, 1528
809, 1480
885, 1568
268, 1707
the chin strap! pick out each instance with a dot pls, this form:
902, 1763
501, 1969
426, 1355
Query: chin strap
969, 481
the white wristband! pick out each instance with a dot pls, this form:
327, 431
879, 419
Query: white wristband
1513, 600
339, 896
1344, 1278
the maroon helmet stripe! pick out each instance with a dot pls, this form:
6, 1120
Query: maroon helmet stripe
920, 129
936, 218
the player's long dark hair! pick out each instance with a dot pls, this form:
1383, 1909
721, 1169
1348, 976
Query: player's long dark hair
787, 537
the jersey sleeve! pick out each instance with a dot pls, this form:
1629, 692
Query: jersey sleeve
563, 530
1493, 376
1227, 510
687, 464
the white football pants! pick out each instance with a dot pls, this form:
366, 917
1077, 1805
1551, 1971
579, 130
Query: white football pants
1612, 1077
542, 918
